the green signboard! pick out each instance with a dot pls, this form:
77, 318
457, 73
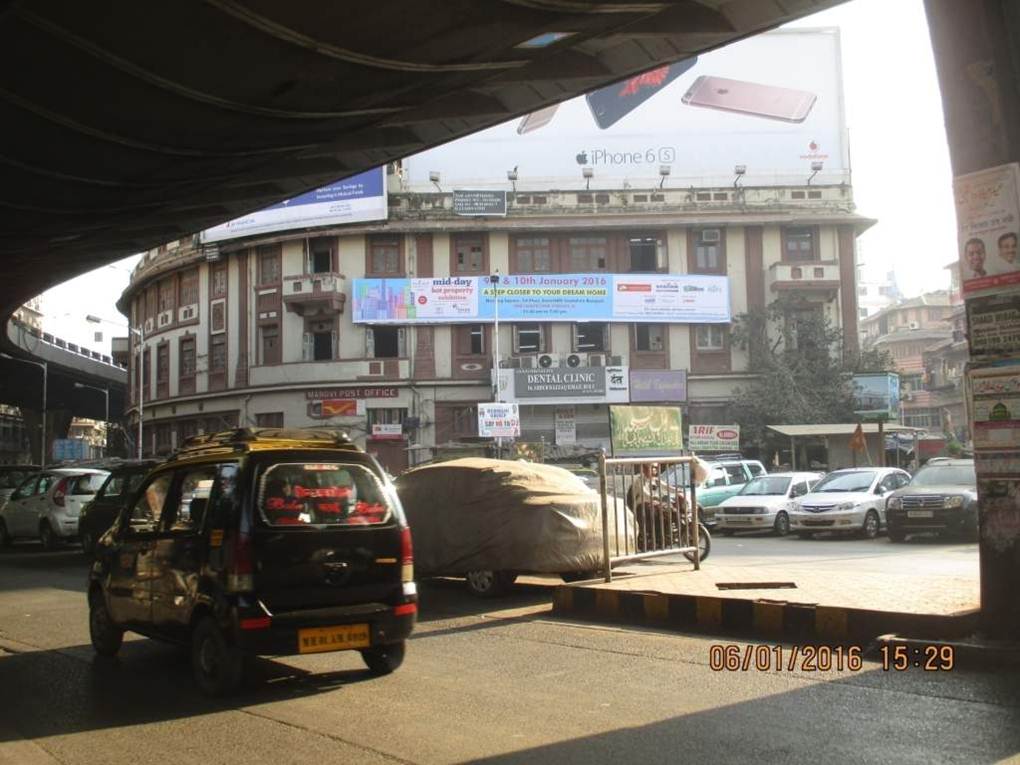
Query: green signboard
646, 430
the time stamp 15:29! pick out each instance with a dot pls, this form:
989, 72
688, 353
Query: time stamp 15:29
823, 658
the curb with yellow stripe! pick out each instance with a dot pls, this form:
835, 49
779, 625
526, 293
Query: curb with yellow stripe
756, 618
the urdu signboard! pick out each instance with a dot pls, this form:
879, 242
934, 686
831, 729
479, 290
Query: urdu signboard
646, 430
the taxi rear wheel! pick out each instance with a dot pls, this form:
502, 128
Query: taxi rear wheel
216, 664
105, 635
384, 659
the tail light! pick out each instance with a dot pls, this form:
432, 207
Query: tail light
60, 492
406, 556
241, 564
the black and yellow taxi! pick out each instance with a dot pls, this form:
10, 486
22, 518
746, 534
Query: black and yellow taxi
266, 542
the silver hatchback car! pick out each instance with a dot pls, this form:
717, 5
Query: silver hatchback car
46, 505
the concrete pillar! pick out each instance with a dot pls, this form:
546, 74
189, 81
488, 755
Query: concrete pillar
975, 44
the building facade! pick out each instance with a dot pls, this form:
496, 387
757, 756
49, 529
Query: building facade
260, 331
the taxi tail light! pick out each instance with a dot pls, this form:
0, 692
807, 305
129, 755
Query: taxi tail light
406, 556
60, 492
256, 623
239, 572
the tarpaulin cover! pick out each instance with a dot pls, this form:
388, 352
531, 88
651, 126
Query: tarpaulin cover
475, 514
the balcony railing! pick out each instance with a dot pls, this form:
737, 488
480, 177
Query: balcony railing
819, 275
324, 291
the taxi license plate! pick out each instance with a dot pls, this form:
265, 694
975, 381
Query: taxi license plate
340, 638
920, 514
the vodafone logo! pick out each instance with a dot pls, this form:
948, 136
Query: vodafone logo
633, 287
422, 300
728, 435
814, 151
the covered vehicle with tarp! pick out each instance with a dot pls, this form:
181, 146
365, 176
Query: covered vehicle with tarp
490, 520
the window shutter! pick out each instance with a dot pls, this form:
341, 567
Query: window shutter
401, 341
308, 345
369, 343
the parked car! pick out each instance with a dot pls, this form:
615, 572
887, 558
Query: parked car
99, 515
847, 501
46, 506
11, 477
259, 542
765, 502
941, 497
725, 479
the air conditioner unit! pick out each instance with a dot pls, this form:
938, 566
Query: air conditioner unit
574, 360
547, 360
527, 362
914, 325
514, 362
711, 235
596, 359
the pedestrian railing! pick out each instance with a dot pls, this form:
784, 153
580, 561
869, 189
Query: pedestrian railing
659, 494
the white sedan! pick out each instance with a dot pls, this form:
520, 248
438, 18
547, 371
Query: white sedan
764, 503
851, 500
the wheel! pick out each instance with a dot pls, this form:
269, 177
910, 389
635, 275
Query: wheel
50, 541
5, 538
782, 525
217, 666
870, 528
805, 535
728, 532
384, 659
489, 584
580, 576
106, 636
897, 535
88, 543
704, 544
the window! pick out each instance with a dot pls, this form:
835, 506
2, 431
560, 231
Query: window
269, 265
862, 291
464, 420
468, 254
934, 314
650, 338
386, 416
149, 506
320, 340
320, 257
799, 243
166, 295
533, 255
269, 420
385, 343
709, 256
189, 287
219, 280
711, 337
340, 494
647, 254
588, 254
529, 338
862, 313
471, 340
218, 316
384, 256
218, 353
591, 336
195, 490
120, 484
187, 357
163, 369
269, 344
805, 327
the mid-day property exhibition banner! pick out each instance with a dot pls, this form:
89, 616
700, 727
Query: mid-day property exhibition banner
686, 298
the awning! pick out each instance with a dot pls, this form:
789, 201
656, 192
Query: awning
839, 429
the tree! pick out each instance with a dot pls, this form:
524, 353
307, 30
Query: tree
803, 374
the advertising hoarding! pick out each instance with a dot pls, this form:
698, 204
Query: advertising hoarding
562, 385
632, 298
658, 385
565, 425
877, 397
646, 430
773, 102
387, 431
361, 197
479, 202
499, 420
988, 227
713, 438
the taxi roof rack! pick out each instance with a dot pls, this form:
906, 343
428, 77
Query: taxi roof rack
241, 439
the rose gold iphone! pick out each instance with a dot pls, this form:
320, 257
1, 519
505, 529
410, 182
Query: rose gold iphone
750, 98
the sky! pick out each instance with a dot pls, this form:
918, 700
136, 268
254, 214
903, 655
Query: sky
900, 161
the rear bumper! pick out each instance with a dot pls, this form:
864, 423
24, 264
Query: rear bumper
255, 633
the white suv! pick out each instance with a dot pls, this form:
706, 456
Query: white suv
46, 505
851, 500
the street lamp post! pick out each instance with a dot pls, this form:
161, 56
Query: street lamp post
106, 430
45, 375
140, 333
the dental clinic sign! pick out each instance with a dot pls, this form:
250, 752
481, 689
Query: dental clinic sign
565, 385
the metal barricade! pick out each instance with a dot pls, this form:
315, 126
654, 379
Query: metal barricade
647, 509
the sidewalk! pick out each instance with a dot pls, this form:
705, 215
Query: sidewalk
794, 602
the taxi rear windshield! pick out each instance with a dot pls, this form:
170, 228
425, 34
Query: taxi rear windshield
316, 494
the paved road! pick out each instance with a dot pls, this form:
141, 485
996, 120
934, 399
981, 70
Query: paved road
501, 683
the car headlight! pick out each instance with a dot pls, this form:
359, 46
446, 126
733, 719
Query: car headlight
845, 506
894, 503
951, 502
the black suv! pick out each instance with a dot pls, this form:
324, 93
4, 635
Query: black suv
942, 497
259, 542
113, 496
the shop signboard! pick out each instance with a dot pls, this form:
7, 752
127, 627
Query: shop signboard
499, 420
387, 431
563, 385
993, 325
646, 430
631, 298
877, 397
565, 422
479, 202
658, 386
360, 198
713, 438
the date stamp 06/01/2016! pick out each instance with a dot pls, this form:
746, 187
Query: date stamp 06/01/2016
734, 657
